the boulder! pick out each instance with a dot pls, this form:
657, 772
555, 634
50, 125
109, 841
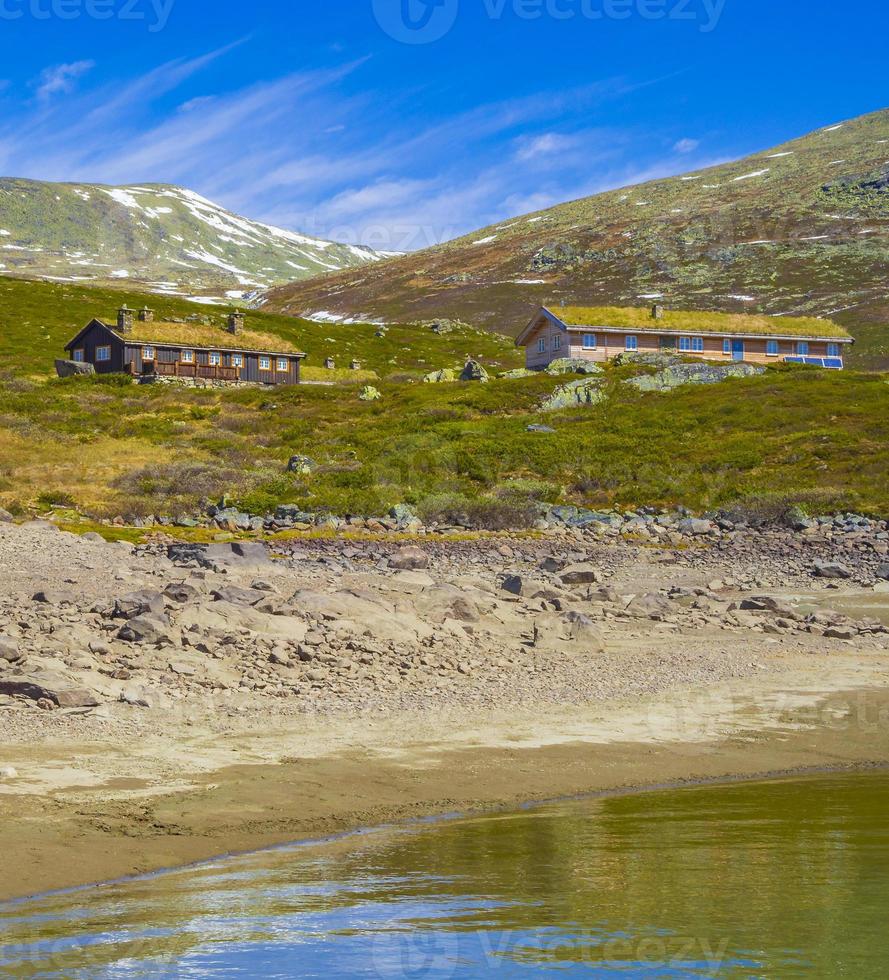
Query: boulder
301, 465
409, 559
697, 374
586, 391
140, 604
474, 371
695, 527
883, 571
238, 553
58, 689
526, 588
5, 517
443, 376
582, 573
147, 629
832, 570
545, 430
572, 365
369, 394
581, 629
515, 374
74, 369
238, 596
9, 650
181, 593
404, 515
650, 607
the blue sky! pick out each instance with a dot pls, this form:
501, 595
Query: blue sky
401, 123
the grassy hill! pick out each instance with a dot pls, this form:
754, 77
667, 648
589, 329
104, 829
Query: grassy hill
802, 229
167, 239
108, 447
37, 319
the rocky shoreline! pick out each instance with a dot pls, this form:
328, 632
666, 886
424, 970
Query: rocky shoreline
325, 624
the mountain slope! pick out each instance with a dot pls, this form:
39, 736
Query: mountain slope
168, 238
802, 228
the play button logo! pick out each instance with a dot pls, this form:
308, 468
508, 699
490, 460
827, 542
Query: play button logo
416, 21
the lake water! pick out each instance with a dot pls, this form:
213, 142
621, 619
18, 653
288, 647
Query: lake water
774, 879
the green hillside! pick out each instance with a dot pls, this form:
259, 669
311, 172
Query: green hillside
800, 229
108, 447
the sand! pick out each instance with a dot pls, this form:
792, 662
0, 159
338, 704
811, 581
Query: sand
105, 803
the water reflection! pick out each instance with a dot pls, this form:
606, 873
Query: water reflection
772, 879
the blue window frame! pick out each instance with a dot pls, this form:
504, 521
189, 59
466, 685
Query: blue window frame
802, 348
632, 343
557, 342
589, 341
697, 345
772, 348
103, 353
541, 345
833, 350
726, 346
685, 343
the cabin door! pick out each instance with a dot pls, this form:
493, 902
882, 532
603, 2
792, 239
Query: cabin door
737, 350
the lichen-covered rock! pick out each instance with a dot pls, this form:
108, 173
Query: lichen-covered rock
586, 391
443, 376
301, 465
572, 365
369, 394
515, 374
474, 371
693, 374
659, 359
73, 369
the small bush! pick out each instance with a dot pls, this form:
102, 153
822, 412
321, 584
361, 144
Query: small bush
477, 513
780, 508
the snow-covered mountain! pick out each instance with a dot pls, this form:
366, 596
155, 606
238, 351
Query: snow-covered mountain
166, 238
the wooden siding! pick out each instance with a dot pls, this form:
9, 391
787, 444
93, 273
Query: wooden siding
96, 336
610, 343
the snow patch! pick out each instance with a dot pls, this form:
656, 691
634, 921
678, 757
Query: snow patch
120, 274
833, 129
529, 282
484, 241
756, 173
776, 156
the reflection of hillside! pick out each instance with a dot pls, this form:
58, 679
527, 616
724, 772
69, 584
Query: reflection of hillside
760, 871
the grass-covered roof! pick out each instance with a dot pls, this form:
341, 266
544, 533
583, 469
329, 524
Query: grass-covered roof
207, 336
685, 321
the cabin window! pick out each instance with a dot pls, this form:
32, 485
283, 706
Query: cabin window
632, 343
557, 342
188, 357
237, 360
103, 353
283, 364
802, 348
78, 356
541, 345
726, 346
215, 360
697, 345
685, 343
833, 350
772, 348
589, 341
147, 353
265, 364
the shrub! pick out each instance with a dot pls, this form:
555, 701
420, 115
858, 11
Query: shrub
477, 513
782, 507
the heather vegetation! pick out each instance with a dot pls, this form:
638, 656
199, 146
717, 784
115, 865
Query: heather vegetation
457, 451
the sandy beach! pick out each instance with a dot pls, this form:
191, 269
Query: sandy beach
677, 694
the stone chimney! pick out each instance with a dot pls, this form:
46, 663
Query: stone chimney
146, 315
124, 319
657, 312
235, 322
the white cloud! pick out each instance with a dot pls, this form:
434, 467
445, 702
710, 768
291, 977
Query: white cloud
60, 79
686, 146
313, 152
543, 145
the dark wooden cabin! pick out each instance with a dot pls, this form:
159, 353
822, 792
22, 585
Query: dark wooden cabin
144, 347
